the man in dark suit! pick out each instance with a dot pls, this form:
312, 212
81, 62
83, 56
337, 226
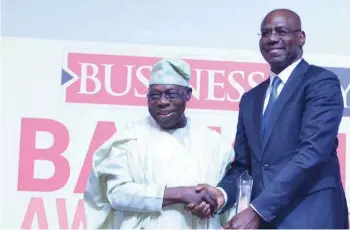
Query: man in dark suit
287, 138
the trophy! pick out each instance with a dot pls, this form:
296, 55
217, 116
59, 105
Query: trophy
244, 190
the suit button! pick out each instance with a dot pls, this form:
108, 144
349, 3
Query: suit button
266, 166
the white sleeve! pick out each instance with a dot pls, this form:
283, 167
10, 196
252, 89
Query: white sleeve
123, 192
225, 198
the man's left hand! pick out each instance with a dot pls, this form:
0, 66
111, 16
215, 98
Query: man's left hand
247, 219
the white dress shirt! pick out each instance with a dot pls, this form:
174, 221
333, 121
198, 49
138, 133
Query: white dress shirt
284, 75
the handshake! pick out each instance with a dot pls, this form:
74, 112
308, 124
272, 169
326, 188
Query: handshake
202, 200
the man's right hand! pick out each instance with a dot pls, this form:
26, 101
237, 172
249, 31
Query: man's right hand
202, 209
190, 195
200, 197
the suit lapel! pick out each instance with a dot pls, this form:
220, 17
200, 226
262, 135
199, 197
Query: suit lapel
258, 111
286, 93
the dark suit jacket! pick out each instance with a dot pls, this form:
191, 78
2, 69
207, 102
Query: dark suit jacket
295, 167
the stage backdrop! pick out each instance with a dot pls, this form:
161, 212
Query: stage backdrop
61, 100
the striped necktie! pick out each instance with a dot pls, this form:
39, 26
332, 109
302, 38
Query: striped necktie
273, 97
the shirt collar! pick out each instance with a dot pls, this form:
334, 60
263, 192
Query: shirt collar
285, 74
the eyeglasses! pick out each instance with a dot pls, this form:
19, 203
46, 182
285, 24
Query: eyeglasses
278, 32
153, 96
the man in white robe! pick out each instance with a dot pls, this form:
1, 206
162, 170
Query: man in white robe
144, 176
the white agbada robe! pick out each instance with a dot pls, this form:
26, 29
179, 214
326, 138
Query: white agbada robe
130, 172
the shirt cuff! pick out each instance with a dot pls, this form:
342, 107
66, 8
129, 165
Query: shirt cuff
257, 212
225, 199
